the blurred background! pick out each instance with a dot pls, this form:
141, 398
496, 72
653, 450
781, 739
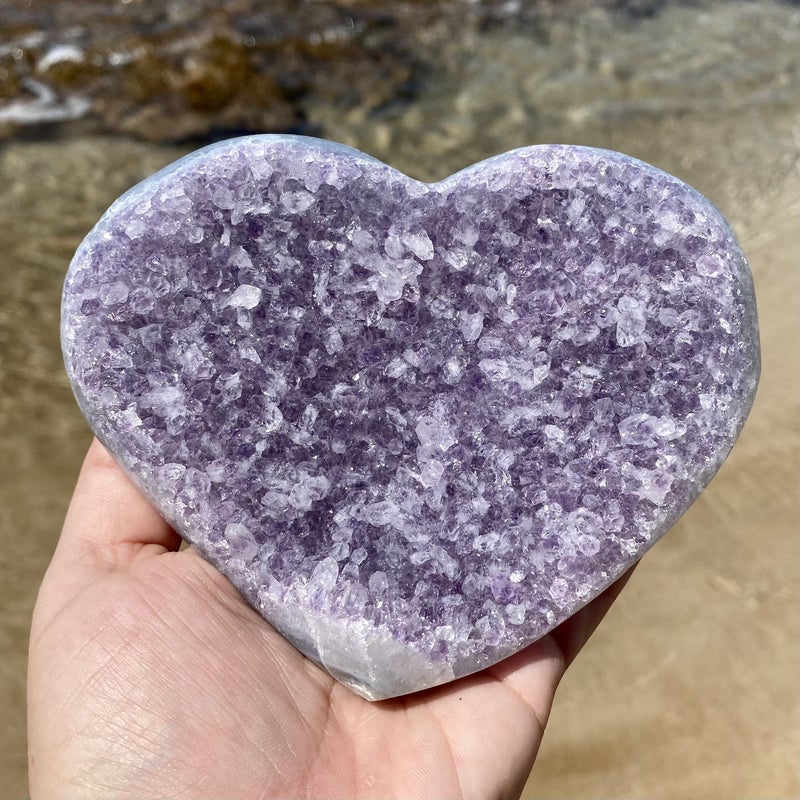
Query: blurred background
690, 688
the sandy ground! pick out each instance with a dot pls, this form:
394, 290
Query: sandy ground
689, 690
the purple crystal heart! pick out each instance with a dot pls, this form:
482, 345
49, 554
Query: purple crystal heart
417, 425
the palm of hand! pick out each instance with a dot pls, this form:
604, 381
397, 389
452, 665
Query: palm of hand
149, 676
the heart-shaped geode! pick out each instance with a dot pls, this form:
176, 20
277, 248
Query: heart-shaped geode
416, 425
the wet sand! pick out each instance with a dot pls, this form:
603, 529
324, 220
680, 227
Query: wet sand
689, 689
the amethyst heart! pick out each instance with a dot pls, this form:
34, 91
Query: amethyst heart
417, 425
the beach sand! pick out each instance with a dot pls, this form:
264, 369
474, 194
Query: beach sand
687, 690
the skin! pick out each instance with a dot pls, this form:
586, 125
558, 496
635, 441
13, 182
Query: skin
150, 677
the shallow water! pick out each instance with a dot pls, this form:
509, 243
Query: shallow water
709, 91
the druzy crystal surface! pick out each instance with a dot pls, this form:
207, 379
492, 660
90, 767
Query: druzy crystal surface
416, 425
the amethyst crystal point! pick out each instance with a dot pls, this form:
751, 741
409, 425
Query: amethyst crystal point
417, 425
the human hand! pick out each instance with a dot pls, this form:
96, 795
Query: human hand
150, 677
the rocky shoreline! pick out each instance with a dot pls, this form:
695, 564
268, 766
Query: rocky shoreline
198, 72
